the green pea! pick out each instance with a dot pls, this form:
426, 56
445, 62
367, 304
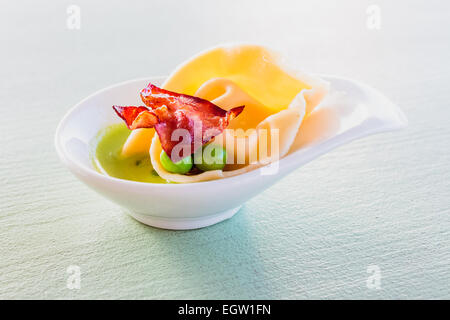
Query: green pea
214, 157
183, 166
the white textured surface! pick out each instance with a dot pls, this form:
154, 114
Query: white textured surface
380, 201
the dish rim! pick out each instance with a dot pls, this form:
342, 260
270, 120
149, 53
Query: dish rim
250, 175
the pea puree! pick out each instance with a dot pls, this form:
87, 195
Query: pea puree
107, 158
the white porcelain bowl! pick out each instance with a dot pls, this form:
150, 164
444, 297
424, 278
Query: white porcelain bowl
361, 112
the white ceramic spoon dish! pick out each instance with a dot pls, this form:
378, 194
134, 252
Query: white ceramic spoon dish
360, 112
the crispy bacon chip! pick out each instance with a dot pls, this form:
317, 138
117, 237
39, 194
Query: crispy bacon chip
136, 117
180, 120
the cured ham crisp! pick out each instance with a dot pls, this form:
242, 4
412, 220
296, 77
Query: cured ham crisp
167, 111
136, 117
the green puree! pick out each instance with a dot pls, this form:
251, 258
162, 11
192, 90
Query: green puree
108, 160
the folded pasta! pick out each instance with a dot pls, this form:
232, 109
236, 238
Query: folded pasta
275, 101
